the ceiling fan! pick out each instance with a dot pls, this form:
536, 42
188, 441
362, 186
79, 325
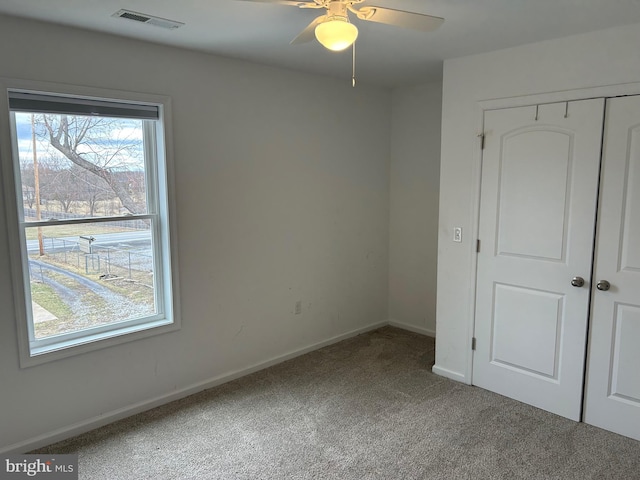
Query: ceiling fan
334, 30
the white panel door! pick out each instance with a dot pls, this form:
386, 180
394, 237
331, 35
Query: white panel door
537, 217
612, 398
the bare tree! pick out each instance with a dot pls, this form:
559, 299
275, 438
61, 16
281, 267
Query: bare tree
91, 188
28, 183
57, 182
90, 144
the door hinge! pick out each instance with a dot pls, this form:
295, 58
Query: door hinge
482, 138
478, 246
473, 343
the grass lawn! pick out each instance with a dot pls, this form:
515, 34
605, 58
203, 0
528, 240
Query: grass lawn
48, 299
74, 230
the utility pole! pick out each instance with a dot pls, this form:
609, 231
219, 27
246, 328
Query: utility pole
36, 183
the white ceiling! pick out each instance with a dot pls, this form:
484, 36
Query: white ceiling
386, 55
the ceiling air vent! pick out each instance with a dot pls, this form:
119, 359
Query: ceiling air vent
148, 19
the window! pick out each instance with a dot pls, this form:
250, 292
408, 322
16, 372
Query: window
91, 214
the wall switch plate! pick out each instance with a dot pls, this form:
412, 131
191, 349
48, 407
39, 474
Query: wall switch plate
457, 234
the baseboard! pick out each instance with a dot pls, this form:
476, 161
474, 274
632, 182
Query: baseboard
115, 415
443, 372
413, 328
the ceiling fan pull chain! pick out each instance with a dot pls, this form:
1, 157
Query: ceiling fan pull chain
353, 71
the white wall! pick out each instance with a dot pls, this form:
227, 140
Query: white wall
282, 192
603, 58
414, 180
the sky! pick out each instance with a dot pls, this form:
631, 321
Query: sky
119, 146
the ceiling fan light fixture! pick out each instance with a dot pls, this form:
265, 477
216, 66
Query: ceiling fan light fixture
336, 33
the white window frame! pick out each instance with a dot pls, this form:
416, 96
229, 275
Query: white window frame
161, 210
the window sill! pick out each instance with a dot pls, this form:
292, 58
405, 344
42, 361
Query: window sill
89, 343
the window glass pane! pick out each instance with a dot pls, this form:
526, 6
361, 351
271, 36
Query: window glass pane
80, 166
88, 275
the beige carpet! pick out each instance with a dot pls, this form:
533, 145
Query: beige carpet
366, 408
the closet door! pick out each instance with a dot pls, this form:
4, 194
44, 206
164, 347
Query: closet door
537, 218
612, 398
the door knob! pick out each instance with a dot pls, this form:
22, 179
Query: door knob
577, 282
603, 285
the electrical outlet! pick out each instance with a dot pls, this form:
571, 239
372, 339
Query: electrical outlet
298, 309
457, 234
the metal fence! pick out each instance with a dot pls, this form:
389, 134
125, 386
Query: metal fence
102, 260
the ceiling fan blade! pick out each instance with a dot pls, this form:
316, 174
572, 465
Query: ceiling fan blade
399, 18
292, 3
309, 33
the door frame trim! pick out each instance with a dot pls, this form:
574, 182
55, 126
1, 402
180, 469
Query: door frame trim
604, 91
